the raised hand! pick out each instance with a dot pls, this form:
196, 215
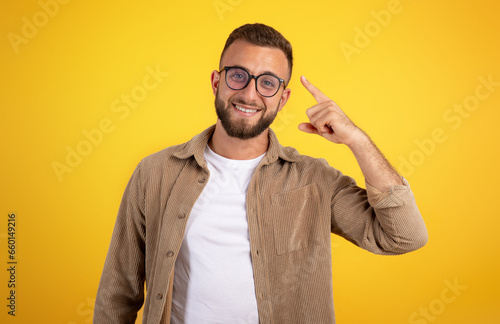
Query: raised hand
328, 120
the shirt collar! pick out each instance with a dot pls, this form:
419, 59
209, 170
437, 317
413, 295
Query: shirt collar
196, 147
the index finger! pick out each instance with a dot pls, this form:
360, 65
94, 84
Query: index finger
317, 94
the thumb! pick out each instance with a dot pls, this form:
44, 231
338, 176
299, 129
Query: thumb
308, 128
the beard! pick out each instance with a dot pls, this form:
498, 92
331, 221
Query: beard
240, 129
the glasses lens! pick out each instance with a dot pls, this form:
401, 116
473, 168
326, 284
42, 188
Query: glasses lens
267, 85
237, 78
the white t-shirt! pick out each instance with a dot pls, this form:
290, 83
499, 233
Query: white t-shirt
213, 279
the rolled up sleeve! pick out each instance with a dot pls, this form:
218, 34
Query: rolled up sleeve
386, 222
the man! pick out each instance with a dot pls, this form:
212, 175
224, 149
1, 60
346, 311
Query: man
231, 227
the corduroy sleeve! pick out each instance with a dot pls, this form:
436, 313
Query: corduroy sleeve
121, 289
381, 222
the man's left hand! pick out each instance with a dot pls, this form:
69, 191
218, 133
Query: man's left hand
328, 120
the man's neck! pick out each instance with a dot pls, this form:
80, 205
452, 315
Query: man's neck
235, 148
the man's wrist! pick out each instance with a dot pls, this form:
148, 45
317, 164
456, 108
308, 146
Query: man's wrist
360, 141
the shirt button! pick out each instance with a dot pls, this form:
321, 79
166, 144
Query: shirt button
159, 296
170, 254
201, 180
182, 215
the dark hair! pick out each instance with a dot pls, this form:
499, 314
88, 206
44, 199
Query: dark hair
261, 35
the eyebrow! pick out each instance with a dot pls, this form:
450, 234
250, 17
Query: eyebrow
265, 72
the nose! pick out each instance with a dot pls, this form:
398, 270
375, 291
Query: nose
250, 91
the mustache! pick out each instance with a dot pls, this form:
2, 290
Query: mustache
249, 104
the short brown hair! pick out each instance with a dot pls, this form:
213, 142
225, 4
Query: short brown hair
261, 35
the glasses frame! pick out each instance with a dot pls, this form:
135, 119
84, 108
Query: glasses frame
226, 68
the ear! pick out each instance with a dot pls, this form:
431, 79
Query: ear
215, 78
284, 98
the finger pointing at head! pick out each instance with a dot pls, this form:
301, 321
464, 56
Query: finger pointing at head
317, 94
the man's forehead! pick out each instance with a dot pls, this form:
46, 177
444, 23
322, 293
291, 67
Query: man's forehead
255, 57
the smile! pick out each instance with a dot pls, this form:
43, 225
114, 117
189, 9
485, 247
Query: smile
245, 110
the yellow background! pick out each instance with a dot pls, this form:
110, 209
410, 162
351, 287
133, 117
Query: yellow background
399, 88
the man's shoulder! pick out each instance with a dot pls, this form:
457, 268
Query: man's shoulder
315, 170
293, 155
172, 158
163, 157
154, 167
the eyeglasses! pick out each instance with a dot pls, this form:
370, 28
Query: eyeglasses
237, 78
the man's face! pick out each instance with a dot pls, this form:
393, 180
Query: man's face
245, 113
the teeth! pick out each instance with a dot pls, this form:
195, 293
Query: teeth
245, 110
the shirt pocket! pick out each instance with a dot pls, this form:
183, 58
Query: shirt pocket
297, 222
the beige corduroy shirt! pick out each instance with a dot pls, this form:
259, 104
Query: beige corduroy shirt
294, 203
